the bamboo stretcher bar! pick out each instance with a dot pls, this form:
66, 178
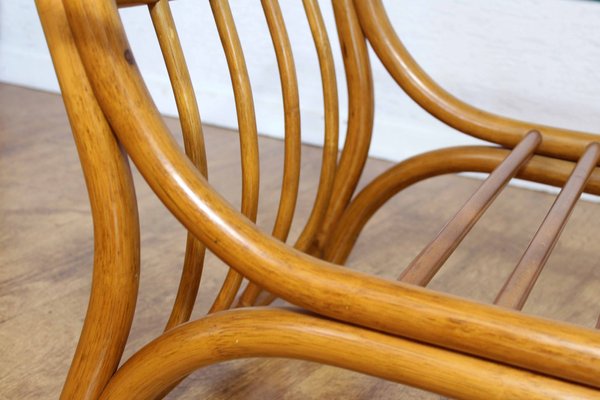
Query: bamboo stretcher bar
515, 291
423, 268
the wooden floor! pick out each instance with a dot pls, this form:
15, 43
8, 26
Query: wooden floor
46, 257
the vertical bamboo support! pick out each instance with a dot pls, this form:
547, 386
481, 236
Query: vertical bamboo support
291, 107
193, 140
248, 135
116, 228
360, 114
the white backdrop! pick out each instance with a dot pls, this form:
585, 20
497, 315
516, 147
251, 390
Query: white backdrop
532, 59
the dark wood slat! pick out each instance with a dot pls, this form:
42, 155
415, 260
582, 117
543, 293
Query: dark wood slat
521, 281
423, 268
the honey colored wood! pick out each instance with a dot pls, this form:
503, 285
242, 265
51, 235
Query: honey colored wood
396, 308
306, 240
422, 269
362, 304
269, 333
43, 300
116, 228
130, 3
560, 143
291, 108
521, 281
193, 139
248, 135
360, 114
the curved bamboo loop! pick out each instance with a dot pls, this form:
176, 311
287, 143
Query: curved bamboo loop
424, 267
248, 135
306, 239
515, 291
438, 162
291, 107
404, 310
280, 333
361, 106
108, 179
193, 140
331, 109
557, 142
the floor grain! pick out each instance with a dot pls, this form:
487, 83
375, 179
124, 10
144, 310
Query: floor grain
46, 257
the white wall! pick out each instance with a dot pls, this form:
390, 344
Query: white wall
531, 59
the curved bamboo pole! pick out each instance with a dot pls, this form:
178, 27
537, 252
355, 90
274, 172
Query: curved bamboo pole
291, 107
561, 143
306, 239
405, 310
193, 140
331, 109
438, 162
116, 228
280, 333
360, 113
248, 135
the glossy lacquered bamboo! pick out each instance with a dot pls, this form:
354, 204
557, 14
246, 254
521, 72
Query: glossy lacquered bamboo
438, 162
486, 331
193, 140
281, 333
307, 237
291, 108
331, 111
130, 3
560, 143
518, 286
116, 228
424, 267
360, 113
248, 134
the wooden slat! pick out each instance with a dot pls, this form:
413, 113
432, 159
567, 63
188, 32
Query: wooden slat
248, 134
422, 269
519, 284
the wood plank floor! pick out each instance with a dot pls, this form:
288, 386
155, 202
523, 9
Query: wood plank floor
46, 257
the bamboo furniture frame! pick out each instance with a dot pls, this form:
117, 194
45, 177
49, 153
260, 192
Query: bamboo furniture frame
394, 330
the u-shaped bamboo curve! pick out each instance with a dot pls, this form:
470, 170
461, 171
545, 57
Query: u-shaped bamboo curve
396, 308
282, 333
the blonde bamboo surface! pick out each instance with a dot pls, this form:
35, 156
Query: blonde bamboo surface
557, 142
46, 247
400, 331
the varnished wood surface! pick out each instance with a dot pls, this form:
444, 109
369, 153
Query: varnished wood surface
453, 323
46, 245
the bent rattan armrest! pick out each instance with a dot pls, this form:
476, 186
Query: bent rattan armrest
394, 330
